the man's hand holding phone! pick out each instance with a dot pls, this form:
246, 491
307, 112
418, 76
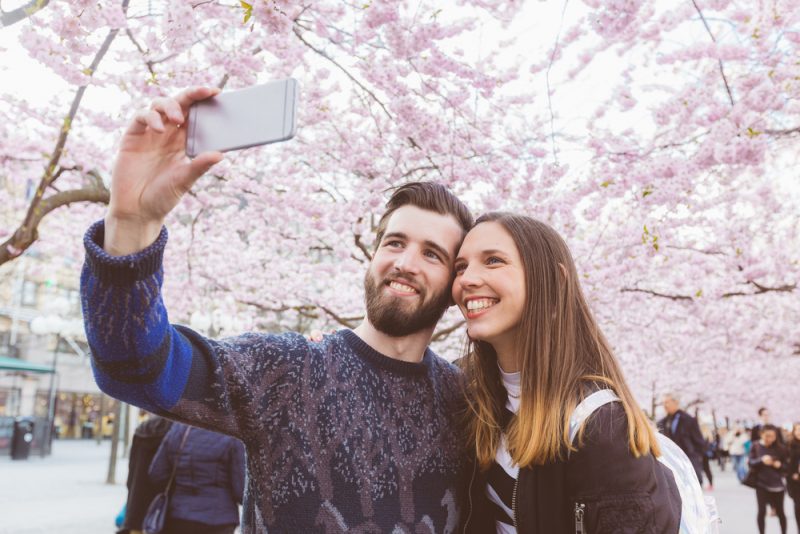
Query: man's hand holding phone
152, 172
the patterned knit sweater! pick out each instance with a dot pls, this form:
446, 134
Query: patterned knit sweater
339, 437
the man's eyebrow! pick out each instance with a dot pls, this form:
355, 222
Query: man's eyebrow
438, 248
398, 235
430, 244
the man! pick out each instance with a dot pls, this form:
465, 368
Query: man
683, 429
355, 433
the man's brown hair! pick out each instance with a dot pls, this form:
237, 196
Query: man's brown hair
427, 196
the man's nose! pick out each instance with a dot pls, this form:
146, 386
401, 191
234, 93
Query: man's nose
408, 261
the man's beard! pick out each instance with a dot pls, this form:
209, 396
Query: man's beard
391, 316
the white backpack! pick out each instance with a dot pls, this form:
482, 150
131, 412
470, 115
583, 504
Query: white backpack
698, 512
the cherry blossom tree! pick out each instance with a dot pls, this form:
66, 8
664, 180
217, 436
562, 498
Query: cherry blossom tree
659, 138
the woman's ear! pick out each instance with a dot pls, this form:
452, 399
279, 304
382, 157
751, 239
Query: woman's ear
563, 269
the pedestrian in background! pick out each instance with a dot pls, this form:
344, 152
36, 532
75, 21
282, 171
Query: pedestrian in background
141, 490
736, 448
709, 454
793, 472
208, 484
764, 419
683, 429
769, 460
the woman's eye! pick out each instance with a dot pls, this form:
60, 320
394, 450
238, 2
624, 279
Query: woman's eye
460, 268
492, 260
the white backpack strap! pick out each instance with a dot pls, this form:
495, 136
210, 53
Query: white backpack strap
587, 407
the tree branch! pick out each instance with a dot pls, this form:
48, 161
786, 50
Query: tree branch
655, 293
7, 18
444, 332
25, 236
788, 131
761, 289
349, 322
547, 84
344, 70
362, 247
27, 233
721, 69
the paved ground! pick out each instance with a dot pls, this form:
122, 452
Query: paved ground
66, 493
737, 507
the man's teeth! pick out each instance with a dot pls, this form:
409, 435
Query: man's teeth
480, 304
402, 287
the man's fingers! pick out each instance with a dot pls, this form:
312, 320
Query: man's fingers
170, 108
146, 119
198, 167
194, 94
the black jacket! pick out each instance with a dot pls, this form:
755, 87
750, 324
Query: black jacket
687, 435
769, 477
793, 468
141, 490
602, 482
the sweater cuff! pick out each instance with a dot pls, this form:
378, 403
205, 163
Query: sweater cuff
122, 270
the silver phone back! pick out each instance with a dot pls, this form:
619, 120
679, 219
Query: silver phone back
243, 118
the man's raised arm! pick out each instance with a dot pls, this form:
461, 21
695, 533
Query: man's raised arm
137, 355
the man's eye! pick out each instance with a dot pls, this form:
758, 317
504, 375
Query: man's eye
433, 255
393, 243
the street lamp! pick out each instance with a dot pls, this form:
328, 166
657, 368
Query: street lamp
68, 329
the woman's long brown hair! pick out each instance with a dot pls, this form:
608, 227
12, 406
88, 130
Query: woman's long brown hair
562, 352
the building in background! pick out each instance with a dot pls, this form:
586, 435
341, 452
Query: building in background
41, 330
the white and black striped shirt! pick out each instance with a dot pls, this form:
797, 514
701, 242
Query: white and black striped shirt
503, 473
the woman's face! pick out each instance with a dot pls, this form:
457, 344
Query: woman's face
796, 432
768, 437
489, 286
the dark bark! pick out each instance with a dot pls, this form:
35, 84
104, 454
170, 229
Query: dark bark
7, 18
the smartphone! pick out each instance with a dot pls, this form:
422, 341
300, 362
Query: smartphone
244, 118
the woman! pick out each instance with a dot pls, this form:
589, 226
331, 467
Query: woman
769, 460
535, 352
208, 484
793, 472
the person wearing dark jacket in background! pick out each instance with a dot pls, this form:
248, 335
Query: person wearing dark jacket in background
764, 418
769, 460
793, 472
683, 429
146, 440
209, 480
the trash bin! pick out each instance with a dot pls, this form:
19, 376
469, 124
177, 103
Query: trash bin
22, 438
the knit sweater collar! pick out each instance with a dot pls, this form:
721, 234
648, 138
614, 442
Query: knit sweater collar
360, 347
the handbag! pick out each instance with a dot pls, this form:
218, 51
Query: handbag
156, 515
750, 480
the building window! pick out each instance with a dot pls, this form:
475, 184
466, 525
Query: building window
29, 293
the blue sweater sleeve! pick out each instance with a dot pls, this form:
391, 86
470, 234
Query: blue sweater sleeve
140, 358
